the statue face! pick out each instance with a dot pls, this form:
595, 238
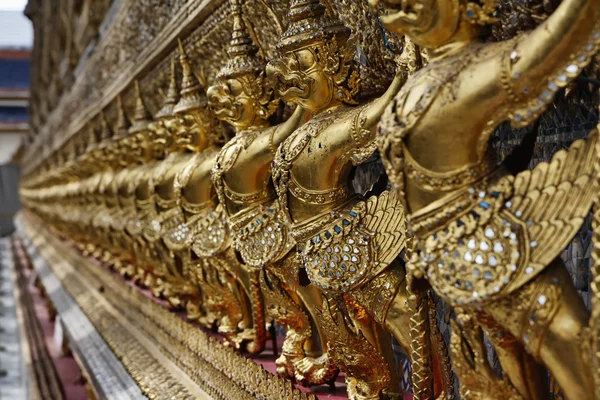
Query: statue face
111, 151
96, 154
160, 136
428, 23
171, 124
129, 142
231, 104
127, 147
191, 127
135, 144
186, 129
149, 143
299, 78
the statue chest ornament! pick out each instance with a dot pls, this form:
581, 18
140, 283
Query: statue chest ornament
127, 201
481, 239
198, 226
158, 211
104, 218
295, 158
259, 232
163, 179
133, 225
343, 247
142, 198
124, 203
427, 87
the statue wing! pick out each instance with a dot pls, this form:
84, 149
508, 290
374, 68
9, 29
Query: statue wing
554, 198
386, 219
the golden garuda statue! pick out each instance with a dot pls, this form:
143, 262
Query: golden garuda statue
231, 200
487, 240
346, 245
242, 177
197, 234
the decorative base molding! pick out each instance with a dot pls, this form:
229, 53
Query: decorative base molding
107, 375
167, 356
41, 372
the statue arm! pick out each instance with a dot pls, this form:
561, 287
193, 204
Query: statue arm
286, 128
551, 55
371, 114
362, 126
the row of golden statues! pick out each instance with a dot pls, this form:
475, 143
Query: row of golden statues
265, 226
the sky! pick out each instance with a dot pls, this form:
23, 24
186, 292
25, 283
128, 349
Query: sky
14, 5
15, 28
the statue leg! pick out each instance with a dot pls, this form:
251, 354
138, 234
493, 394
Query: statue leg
381, 341
142, 266
225, 306
316, 367
549, 317
254, 334
385, 298
179, 289
360, 348
236, 276
527, 376
128, 268
397, 319
285, 307
194, 305
304, 352
155, 279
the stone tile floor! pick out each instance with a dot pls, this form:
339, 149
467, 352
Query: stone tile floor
13, 376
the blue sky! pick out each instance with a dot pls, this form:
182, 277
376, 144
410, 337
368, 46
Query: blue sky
15, 5
15, 28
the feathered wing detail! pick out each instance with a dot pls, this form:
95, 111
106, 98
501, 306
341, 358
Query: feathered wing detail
210, 233
357, 245
386, 220
554, 198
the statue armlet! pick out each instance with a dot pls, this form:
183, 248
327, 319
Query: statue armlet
528, 100
363, 140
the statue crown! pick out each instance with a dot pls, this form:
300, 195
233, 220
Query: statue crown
105, 130
172, 96
141, 118
123, 124
192, 89
310, 22
244, 56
